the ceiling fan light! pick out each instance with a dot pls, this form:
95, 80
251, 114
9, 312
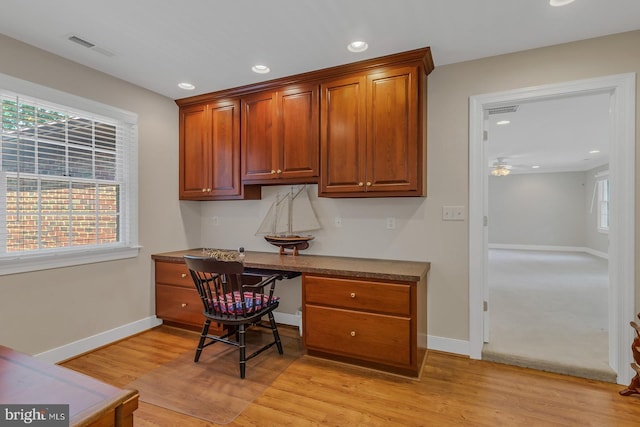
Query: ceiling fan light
500, 171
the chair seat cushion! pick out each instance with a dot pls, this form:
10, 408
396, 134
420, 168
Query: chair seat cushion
233, 304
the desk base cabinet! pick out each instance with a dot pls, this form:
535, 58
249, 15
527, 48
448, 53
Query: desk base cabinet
367, 322
177, 300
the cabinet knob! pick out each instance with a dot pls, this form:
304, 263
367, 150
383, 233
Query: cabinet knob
273, 172
361, 184
204, 190
353, 294
208, 190
368, 184
183, 275
353, 333
184, 304
279, 170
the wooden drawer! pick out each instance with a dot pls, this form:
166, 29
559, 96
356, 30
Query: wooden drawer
379, 297
171, 273
366, 336
178, 304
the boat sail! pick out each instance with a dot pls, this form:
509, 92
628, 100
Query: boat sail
288, 216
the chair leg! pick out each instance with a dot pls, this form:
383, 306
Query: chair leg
203, 336
243, 361
276, 335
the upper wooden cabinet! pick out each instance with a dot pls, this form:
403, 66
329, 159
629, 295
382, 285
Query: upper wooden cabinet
280, 136
210, 152
373, 134
358, 130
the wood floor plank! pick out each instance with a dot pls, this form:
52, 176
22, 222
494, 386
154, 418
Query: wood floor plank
453, 391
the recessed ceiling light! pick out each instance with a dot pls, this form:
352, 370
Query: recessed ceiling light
535, 167
357, 46
560, 2
594, 151
186, 86
260, 69
503, 122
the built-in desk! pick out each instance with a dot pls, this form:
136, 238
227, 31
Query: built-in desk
25, 380
356, 310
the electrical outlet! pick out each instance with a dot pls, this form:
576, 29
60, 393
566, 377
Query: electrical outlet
337, 221
453, 213
215, 220
391, 223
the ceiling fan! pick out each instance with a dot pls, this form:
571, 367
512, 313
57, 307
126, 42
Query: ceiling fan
500, 167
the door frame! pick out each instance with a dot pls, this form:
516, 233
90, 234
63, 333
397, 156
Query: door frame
622, 88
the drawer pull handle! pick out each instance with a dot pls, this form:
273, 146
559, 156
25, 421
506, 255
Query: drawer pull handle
184, 304
353, 294
183, 275
353, 333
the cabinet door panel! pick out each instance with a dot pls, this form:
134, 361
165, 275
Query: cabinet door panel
258, 136
392, 134
225, 149
342, 135
194, 152
298, 149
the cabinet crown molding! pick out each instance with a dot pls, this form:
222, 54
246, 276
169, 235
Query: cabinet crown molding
422, 56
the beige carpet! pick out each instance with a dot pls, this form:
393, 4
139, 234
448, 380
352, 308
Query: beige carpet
548, 311
212, 389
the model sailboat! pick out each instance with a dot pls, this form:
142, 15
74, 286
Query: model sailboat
287, 217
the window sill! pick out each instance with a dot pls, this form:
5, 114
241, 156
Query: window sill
27, 263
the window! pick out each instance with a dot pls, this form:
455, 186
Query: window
603, 204
67, 180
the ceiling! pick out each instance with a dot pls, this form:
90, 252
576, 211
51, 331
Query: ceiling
157, 44
566, 134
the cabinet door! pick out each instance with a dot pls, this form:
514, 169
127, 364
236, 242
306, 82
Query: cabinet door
342, 135
298, 141
259, 134
194, 152
392, 130
224, 128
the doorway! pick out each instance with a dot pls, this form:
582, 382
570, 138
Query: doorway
621, 89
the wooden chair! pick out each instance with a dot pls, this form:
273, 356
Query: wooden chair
228, 301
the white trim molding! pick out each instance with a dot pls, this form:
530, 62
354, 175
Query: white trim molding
84, 345
584, 249
622, 90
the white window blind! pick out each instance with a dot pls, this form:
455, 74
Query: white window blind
67, 183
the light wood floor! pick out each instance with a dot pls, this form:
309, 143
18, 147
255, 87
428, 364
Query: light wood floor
453, 391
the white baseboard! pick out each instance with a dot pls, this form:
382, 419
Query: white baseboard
84, 345
448, 345
287, 318
549, 248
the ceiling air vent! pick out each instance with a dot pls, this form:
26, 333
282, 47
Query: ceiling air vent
81, 42
84, 43
502, 110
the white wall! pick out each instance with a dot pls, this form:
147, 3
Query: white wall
545, 210
540, 209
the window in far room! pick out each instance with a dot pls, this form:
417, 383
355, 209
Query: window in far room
602, 193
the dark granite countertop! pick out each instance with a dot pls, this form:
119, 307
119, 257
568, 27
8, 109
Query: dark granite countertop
369, 268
